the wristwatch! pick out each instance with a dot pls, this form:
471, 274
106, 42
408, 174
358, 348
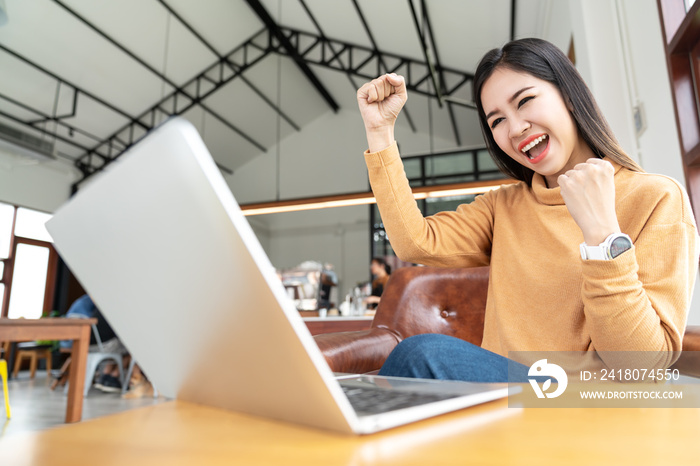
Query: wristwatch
613, 246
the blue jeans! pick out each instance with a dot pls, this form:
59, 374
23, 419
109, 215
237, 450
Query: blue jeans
434, 356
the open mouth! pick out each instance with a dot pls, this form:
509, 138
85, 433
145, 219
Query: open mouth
535, 148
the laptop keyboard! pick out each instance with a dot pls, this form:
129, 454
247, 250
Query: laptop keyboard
372, 400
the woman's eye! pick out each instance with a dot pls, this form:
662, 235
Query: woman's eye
495, 122
524, 101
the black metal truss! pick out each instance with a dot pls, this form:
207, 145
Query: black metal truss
350, 59
160, 75
366, 62
219, 56
180, 100
337, 55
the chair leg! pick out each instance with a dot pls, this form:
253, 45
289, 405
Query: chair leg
49, 364
127, 377
90, 368
19, 358
92, 363
5, 390
33, 359
62, 376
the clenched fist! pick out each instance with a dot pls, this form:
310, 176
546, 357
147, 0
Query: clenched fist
380, 102
589, 193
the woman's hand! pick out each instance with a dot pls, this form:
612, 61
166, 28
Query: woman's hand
371, 300
589, 193
380, 102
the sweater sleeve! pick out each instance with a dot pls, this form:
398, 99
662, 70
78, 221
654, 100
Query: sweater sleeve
448, 239
640, 300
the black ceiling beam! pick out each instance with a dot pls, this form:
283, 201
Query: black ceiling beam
114, 42
426, 54
157, 73
178, 102
438, 65
381, 60
436, 68
275, 30
216, 53
513, 6
64, 81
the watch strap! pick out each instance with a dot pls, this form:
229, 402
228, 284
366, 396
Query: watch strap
596, 253
602, 251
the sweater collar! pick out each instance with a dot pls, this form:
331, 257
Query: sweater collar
552, 196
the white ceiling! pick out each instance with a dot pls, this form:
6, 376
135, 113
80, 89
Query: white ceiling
47, 34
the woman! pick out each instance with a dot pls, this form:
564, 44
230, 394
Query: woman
587, 252
380, 271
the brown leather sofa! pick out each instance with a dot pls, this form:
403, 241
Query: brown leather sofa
434, 300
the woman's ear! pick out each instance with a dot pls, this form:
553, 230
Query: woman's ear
569, 105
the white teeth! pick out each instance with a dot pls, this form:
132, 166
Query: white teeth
534, 143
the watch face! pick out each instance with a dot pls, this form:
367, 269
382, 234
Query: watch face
619, 245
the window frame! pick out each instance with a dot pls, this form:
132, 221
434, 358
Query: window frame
9, 265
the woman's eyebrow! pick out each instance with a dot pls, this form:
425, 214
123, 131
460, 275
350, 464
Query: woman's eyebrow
512, 98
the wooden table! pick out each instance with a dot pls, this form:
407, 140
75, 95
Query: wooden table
77, 330
179, 433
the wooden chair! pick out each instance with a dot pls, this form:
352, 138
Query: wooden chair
34, 353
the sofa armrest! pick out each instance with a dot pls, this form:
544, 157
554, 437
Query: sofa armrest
357, 352
689, 361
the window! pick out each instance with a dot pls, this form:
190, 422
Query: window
29, 281
27, 263
681, 32
432, 170
7, 217
30, 224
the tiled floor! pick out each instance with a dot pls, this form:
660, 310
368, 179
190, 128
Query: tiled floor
36, 407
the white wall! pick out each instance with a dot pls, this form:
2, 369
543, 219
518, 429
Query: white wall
600, 60
41, 186
659, 148
331, 163
337, 236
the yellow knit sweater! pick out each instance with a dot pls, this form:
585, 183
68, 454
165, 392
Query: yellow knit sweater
542, 296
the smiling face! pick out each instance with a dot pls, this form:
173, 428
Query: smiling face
531, 123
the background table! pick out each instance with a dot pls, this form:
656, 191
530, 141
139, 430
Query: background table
77, 330
179, 433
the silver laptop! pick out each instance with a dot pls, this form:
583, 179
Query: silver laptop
162, 247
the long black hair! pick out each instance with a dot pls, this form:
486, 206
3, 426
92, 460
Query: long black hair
545, 61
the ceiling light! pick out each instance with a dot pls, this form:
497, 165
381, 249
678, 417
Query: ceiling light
355, 199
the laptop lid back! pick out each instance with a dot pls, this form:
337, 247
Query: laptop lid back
160, 244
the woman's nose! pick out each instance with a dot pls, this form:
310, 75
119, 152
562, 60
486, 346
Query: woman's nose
518, 127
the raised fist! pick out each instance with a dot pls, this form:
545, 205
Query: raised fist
381, 101
589, 193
